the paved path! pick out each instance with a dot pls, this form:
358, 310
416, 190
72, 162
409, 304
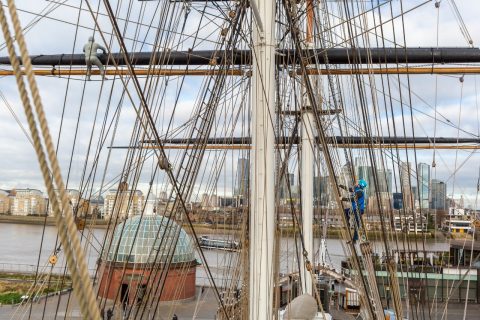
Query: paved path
202, 308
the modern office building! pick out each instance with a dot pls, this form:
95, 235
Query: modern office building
384, 180
405, 182
242, 179
415, 194
397, 201
438, 194
423, 174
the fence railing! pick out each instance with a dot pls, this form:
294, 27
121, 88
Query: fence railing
31, 268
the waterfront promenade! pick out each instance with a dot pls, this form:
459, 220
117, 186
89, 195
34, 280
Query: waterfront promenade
203, 307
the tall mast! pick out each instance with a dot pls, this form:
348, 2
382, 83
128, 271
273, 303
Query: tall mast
308, 141
262, 201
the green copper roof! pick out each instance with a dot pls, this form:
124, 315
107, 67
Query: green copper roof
150, 239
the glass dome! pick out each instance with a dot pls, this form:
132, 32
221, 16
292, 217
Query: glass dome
150, 239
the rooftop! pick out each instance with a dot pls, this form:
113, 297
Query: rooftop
150, 239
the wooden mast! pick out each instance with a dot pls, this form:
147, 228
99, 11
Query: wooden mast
262, 197
307, 156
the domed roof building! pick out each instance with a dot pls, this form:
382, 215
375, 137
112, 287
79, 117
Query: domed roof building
150, 239
149, 255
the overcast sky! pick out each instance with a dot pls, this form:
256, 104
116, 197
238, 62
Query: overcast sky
58, 33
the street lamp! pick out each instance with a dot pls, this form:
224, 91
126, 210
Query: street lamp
387, 294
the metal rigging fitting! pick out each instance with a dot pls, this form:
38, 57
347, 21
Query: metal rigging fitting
53, 259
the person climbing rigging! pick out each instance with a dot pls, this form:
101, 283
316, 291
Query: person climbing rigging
357, 199
90, 50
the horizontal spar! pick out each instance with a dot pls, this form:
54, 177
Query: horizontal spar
347, 146
350, 140
240, 72
393, 70
125, 72
283, 57
243, 143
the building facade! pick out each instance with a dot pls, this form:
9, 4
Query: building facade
242, 180
125, 203
405, 181
26, 202
458, 221
384, 178
96, 207
73, 198
397, 201
379, 203
4, 202
423, 174
439, 195
132, 270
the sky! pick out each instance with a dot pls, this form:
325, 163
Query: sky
456, 102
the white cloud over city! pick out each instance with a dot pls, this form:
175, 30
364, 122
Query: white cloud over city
18, 164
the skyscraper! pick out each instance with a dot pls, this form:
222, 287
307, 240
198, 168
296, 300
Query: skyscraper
415, 193
384, 180
439, 195
389, 180
423, 173
406, 186
242, 180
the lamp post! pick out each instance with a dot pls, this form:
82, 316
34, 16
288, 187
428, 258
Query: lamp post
387, 296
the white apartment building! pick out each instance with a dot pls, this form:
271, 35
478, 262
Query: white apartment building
27, 202
4, 202
73, 197
124, 203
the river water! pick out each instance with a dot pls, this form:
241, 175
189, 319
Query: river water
20, 248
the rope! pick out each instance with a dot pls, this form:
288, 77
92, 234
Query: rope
66, 227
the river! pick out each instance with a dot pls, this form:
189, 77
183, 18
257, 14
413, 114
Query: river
21, 246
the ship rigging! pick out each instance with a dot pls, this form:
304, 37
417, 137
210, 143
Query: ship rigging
324, 89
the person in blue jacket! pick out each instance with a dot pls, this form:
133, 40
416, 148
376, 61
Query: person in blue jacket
357, 199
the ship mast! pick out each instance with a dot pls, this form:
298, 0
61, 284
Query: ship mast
308, 142
262, 200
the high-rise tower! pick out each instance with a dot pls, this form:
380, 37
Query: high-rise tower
241, 183
439, 195
423, 173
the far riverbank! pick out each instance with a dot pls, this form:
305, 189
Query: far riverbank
49, 221
103, 224
332, 233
